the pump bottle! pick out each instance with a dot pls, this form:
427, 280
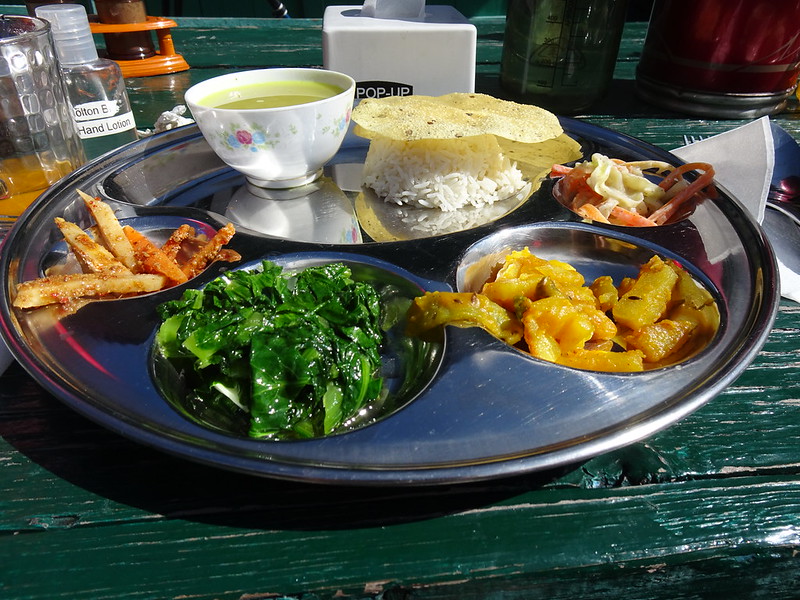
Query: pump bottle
95, 86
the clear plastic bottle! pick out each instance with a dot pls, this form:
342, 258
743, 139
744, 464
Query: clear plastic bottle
95, 86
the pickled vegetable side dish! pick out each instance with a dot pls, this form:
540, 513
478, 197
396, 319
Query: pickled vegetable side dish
632, 194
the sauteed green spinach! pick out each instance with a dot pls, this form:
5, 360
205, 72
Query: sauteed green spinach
292, 355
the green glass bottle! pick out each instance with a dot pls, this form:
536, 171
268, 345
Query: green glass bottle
560, 54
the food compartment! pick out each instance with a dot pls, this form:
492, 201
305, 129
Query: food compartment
167, 165
633, 193
111, 259
406, 366
628, 297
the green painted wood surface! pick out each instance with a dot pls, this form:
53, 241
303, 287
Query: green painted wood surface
709, 508
308, 9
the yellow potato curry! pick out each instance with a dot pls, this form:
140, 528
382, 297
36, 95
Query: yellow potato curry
544, 307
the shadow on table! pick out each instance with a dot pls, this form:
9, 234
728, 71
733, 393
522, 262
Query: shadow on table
108, 465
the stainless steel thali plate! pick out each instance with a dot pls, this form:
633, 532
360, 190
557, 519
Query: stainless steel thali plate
480, 408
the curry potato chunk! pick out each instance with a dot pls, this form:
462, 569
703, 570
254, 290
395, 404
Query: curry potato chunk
604, 360
606, 293
658, 340
559, 319
649, 296
462, 310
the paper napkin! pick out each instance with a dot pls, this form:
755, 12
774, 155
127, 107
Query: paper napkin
747, 160
743, 160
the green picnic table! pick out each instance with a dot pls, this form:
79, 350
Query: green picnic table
708, 508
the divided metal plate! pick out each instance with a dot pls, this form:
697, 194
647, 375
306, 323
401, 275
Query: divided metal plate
483, 409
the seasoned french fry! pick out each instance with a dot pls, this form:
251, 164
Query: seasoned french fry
207, 253
92, 257
110, 230
173, 245
152, 259
62, 289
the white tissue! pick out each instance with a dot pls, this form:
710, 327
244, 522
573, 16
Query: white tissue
431, 55
393, 9
743, 160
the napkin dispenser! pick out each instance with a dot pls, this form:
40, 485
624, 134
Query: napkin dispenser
400, 47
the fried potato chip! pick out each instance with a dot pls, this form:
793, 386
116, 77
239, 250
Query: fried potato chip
538, 159
453, 116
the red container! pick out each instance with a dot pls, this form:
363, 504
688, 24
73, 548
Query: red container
721, 58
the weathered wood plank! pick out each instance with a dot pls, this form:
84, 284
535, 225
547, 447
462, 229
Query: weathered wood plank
266, 548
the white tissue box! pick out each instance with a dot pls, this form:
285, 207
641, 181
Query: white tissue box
431, 55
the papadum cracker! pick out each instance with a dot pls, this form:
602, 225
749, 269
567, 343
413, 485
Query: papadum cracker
453, 116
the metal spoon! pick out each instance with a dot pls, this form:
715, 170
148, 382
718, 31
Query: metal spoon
784, 236
785, 197
787, 190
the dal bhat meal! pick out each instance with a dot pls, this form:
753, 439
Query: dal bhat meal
297, 355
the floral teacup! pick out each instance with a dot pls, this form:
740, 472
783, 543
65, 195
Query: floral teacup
280, 147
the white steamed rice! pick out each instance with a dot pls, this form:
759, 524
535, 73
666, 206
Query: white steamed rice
444, 174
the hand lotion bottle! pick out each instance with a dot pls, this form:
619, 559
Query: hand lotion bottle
95, 86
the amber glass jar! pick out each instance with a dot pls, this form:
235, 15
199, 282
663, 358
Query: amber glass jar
125, 46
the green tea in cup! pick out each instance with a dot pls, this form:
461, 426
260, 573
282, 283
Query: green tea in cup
272, 94
279, 127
